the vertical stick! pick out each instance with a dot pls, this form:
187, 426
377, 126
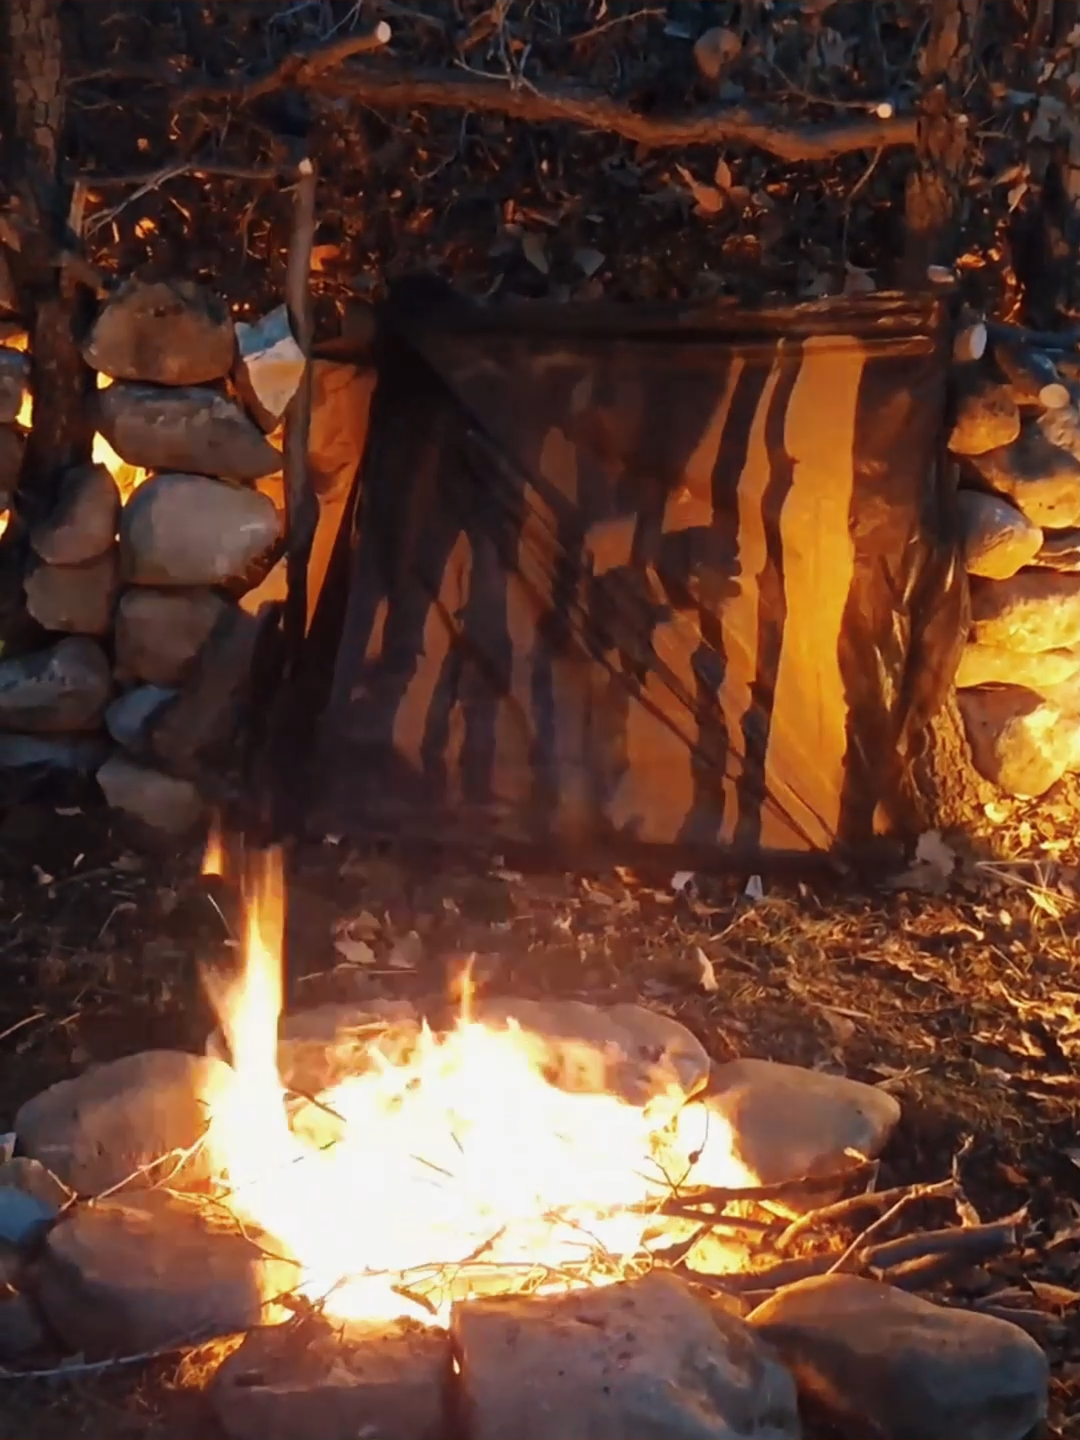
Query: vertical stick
300, 508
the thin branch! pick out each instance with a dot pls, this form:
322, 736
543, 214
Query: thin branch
153, 178
841, 1210
299, 68
385, 88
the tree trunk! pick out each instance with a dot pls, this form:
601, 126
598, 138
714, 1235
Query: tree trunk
944, 790
32, 96
932, 199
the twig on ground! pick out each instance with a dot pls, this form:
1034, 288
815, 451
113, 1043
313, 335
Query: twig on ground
99, 1367
842, 1210
972, 1243
858, 1246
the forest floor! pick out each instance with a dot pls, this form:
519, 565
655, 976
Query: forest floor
964, 1004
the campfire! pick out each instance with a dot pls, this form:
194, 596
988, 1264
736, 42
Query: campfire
454, 1168
538, 1218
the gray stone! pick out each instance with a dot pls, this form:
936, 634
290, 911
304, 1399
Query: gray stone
1060, 550
166, 332
160, 632
987, 415
1020, 741
207, 713
12, 449
336, 1381
143, 1272
64, 688
21, 1330
167, 804
998, 540
139, 1119
84, 521
881, 1362
75, 598
624, 1049
129, 714
782, 1122
14, 382
270, 365
190, 530
192, 430
643, 1360
1035, 610
1040, 477
78, 753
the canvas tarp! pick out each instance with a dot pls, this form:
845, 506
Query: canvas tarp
635, 575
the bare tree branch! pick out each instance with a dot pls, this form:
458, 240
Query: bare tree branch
382, 87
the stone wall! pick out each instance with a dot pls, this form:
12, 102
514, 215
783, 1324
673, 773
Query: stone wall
149, 578
1016, 438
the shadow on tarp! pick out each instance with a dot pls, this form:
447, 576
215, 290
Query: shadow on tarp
617, 579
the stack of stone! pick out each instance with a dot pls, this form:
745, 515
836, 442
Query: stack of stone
1017, 439
148, 598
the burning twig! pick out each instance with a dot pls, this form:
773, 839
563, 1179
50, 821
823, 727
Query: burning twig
688, 1205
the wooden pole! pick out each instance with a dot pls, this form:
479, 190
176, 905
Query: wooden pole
301, 510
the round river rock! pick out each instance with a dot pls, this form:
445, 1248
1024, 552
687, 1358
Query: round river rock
122, 1121
147, 1271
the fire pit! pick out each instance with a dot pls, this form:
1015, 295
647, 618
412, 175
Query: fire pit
538, 1219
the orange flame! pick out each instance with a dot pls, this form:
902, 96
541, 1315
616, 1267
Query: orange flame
128, 477
213, 862
446, 1165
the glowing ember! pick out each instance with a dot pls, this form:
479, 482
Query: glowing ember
214, 854
5, 518
455, 1170
128, 477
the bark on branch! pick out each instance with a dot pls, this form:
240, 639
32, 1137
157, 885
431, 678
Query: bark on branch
384, 88
323, 68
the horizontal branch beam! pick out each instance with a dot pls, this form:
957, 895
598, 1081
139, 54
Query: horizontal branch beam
386, 88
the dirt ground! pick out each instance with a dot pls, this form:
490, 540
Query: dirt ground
964, 1005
